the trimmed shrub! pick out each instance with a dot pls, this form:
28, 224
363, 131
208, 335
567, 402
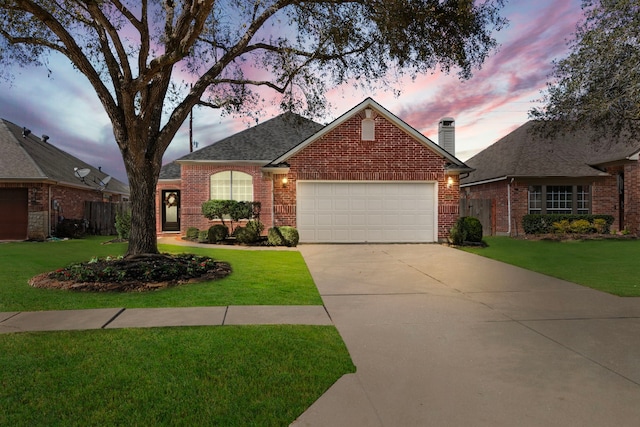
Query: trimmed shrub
581, 226
473, 227
217, 233
250, 233
203, 236
466, 229
274, 237
562, 227
600, 225
290, 235
123, 225
543, 224
283, 236
192, 233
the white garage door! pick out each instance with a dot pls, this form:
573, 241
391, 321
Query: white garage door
351, 212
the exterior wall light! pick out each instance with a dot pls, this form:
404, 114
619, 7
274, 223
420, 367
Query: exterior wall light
449, 182
285, 181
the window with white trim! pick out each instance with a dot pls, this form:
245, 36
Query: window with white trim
231, 185
559, 199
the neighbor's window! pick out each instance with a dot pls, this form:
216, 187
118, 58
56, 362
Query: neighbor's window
559, 199
535, 199
582, 198
232, 185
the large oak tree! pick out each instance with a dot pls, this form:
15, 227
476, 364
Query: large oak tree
151, 62
598, 83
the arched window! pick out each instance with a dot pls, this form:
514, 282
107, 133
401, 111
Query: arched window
232, 185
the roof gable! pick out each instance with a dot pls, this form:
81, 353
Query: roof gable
29, 158
369, 103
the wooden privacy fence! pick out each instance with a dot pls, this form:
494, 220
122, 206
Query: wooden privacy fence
102, 216
484, 210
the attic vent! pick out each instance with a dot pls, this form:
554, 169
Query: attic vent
368, 126
45, 138
25, 132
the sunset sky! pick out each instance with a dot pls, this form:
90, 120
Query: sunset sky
486, 107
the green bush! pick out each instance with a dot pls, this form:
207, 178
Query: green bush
231, 210
250, 233
466, 229
473, 227
543, 224
562, 227
203, 236
274, 237
217, 233
123, 225
283, 236
192, 233
290, 235
581, 226
600, 225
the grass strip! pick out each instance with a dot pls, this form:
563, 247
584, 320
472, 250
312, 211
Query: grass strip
258, 277
607, 265
226, 376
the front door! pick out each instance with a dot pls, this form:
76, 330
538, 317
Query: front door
171, 210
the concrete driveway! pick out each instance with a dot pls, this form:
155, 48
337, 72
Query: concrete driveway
445, 338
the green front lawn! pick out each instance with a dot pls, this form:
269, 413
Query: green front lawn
226, 376
258, 278
201, 376
607, 265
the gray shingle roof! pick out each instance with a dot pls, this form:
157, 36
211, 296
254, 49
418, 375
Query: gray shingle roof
527, 153
30, 158
265, 141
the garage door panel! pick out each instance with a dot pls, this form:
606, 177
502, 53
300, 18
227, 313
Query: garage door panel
366, 212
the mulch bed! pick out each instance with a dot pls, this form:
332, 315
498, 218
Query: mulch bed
50, 281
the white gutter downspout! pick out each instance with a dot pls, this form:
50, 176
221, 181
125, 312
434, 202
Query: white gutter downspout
509, 205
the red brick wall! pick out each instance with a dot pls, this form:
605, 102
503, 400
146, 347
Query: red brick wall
604, 199
42, 216
195, 186
71, 200
341, 155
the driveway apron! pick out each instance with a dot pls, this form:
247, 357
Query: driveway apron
441, 337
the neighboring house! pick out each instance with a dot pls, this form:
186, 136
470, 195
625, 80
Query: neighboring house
531, 172
366, 177
40, 184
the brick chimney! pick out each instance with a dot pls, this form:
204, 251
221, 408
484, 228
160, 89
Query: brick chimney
447, 134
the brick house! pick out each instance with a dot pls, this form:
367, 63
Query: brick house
366, 177
533, 172
40, 184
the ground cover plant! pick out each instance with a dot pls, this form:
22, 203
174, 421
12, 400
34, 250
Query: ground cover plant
259, 277
222, 376
607, 265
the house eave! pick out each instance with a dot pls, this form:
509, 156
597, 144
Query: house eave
484, 181
224, 162
276, 169
457, 170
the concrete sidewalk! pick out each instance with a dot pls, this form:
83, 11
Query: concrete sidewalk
441, 337
109, 318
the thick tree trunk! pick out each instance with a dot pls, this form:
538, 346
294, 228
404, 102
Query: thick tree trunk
142, 182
